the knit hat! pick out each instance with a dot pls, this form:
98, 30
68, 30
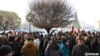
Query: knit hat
5, 49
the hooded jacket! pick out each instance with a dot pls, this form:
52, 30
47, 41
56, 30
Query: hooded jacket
29, 49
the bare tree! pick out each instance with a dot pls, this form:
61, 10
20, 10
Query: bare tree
9, 20
50, 13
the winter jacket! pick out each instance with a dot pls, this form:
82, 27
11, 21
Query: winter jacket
64, 49
29, 49
80, 50
52, 52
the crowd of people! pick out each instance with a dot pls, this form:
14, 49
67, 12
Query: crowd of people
62, 44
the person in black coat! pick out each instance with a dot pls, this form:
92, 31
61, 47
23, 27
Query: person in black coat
99, 45
41, 48
6, 50
18, 46
96, 45
72, 42
2, 41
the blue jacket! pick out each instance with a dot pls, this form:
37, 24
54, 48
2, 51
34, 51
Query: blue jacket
64, 49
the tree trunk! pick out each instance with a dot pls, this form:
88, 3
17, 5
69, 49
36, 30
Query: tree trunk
48, 30
29, 27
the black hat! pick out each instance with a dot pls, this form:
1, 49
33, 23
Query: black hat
5, 49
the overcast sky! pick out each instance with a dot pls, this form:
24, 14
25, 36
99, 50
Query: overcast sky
88, 10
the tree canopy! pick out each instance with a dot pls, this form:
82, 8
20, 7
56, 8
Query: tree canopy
50, 13
9, 20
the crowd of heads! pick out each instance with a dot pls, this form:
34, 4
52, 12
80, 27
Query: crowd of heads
23, 43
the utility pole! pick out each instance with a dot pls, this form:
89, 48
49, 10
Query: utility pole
99, 24
29, 24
